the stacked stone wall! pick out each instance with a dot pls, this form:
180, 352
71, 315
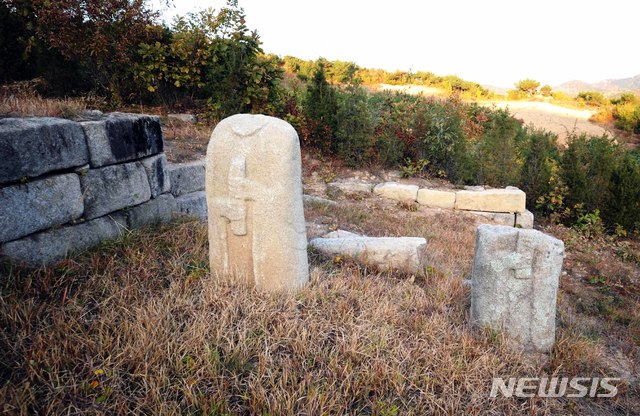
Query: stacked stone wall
69, 185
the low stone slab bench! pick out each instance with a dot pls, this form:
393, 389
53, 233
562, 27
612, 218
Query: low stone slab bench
504, 206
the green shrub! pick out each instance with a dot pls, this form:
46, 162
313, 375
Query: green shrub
540, 154
623, 207
497, 151
355, 128
439, 135
627, 117
321, 109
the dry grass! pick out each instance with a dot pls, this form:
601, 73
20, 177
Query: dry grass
139, 326
21, 99
185, 141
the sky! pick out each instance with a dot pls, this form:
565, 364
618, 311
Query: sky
493, 42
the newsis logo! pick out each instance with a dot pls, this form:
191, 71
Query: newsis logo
554, 387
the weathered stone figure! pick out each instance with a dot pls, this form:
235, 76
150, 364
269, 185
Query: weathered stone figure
515, 283
254, 198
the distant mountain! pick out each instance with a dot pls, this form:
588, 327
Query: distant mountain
608, 87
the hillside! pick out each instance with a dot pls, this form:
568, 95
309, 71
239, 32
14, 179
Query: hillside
609, 86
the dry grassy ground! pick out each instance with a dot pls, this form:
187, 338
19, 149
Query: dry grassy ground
140, 326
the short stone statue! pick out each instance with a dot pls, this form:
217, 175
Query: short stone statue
514, 284
254, 199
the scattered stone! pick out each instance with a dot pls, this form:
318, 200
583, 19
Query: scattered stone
515, 282
187, 177
38, 205
158, 174
254, 194
397, 191
44, 248
493, 200
30, 147
524, 219
312, 199
350, 187
384, 253
193, 205
434, 198
183, 117
341, 234
156, 211
121, 137
474, 188
115, 187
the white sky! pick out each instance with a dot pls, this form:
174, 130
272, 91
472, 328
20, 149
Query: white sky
496, 42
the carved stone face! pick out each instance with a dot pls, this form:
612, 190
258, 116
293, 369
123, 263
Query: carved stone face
254, 198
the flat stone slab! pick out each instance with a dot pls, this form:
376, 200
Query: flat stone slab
434, 198
187, 177
193, 205
39, 205
385, 253
341, 234
121, 137
515, 281
111, 188
30, 147
397, 191
350, 187
157, 170
312, 199
492, 200
47, 247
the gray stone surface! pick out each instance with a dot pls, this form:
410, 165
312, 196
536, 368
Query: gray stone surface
193, 205
30, 147
398, 253
157, 170
44, 248
525, 219
120, 137
341, 234
187, 177
350, 187
111, 188
397, 191
515, 281
38, 205
183, 117
156, 211
312, 199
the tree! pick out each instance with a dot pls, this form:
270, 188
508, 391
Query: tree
321, 107
102, 35
528, 86
545, 90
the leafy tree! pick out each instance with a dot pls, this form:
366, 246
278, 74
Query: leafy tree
213, 55
102, 35
545, 90
528, 86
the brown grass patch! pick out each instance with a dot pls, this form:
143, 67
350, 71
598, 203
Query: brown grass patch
139, 326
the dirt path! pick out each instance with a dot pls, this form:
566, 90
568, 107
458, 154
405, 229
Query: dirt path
559, 120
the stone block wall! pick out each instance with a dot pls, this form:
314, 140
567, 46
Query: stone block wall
69, 185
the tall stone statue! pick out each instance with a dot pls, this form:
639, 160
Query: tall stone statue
254, 198
514, 284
